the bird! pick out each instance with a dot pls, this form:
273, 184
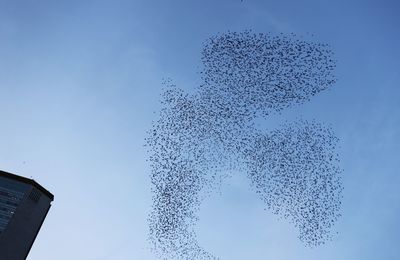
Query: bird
201, 138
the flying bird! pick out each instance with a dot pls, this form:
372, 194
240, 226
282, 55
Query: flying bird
199, 139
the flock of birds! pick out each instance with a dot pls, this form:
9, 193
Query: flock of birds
200, 139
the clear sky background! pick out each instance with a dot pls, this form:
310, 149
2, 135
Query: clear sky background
80, 82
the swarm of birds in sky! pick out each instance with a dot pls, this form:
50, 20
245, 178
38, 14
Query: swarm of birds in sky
200, 139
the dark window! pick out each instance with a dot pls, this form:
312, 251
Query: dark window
35, 195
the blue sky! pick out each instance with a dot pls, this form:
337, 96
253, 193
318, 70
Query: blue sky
80, 82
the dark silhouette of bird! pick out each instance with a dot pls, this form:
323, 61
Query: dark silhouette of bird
199, 139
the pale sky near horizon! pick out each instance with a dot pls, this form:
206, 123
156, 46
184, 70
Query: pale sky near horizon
80, 82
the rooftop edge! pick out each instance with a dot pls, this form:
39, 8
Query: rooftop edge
27, 181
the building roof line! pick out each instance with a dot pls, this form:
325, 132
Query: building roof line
27, 181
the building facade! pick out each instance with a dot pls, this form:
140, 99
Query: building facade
24, 205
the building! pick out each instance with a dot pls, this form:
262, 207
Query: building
24, 205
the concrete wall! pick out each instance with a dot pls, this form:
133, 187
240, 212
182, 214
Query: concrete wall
17, 239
